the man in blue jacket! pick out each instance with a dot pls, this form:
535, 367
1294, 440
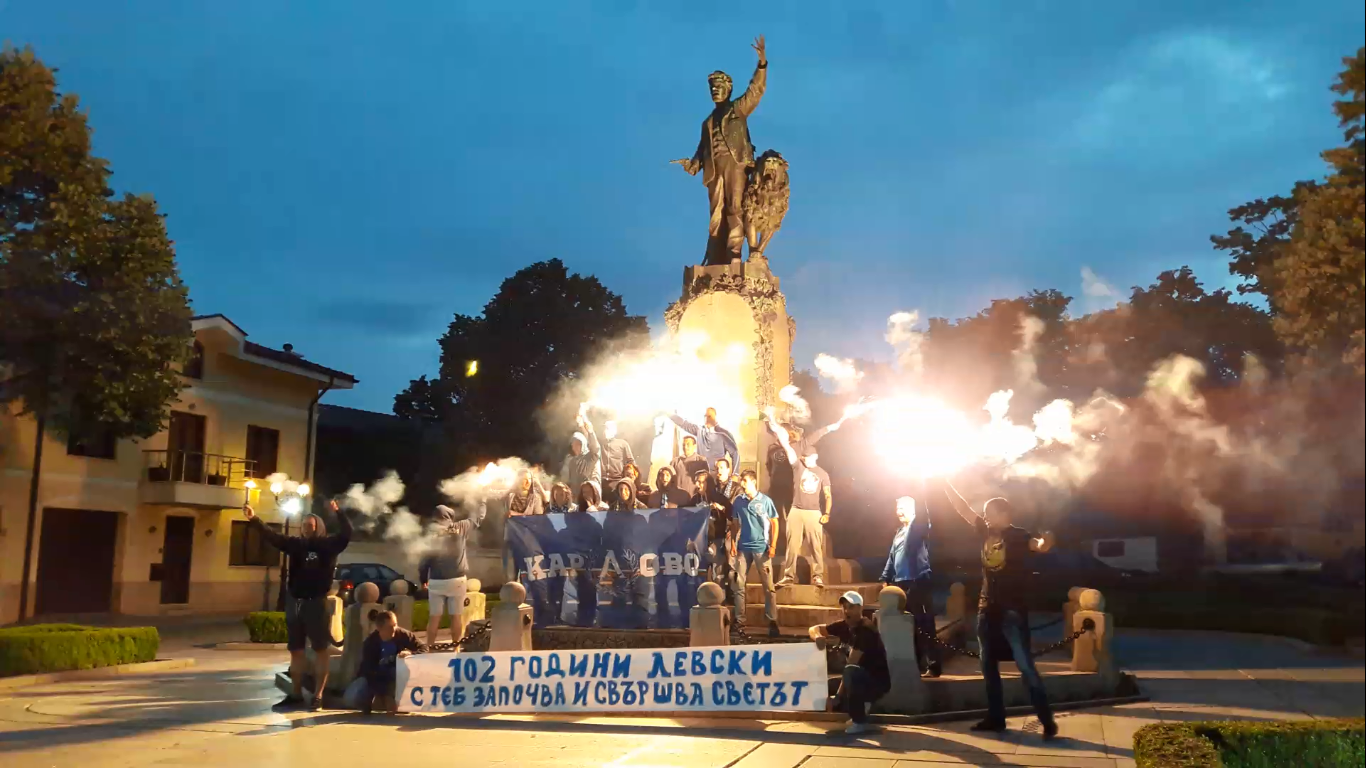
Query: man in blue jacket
908, 567
713, 440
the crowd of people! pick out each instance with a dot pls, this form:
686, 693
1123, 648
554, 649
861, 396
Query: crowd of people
743, 531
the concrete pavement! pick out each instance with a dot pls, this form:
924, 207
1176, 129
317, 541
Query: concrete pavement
218, 714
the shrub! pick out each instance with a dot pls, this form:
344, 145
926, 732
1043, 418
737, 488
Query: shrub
1250, 744
266, 627
60, 647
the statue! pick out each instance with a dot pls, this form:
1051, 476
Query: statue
765, 202
724, 156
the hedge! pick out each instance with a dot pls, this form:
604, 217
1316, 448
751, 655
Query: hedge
1251, 744
266, 627
29, 650
269, 626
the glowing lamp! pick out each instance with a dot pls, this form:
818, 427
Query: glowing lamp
277, 488
304, 489
471, 368
292, 505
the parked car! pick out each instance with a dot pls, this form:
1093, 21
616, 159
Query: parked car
379, 574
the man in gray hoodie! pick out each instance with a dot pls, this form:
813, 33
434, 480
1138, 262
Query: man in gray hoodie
444, 571
584, 462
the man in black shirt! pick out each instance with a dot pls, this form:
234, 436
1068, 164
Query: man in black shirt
866, 677
1002, 610
312, 563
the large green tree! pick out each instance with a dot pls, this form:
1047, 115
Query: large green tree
93, 314
535, 336
1320, 275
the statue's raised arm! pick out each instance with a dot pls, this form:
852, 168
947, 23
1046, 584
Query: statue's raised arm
749, 101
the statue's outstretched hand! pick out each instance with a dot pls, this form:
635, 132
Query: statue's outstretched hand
759, 48
690, 165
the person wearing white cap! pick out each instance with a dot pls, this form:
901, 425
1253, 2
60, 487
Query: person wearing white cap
867, 677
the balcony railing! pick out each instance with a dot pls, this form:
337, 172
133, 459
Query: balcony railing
199, 468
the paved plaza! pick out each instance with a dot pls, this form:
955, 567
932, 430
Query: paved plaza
217, 713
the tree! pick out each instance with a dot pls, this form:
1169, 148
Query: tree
1115, 349
1321, 273
1253, 253
92, 311
539, 332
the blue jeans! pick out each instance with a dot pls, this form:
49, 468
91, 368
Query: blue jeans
858, 690
1010, 625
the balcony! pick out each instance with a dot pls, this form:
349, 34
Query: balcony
192, 479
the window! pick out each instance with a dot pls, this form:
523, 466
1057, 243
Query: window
249, 547
263, 448
1110, 548
194, 367
93, 442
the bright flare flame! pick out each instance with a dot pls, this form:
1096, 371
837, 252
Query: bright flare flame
249, 484
496, 476
292, 505
471, 368
688, 376
923, 437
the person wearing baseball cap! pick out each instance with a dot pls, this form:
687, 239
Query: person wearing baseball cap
867, 677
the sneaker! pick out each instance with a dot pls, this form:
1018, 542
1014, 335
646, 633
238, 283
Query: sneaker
316, 704
855, 729
785, 581
773, 630
818, 582
935, 670
288, 702
992, 726
1050, 731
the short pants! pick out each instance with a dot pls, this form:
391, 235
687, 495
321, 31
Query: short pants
306, 620
441, 592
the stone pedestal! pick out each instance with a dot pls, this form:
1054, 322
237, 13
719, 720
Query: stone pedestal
709, 622
336, 614
358, 627
1091, 651
743, 315
897, 627
1069, 608
511, 630
476, 603
401, 603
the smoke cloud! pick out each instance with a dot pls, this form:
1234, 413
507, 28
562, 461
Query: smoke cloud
903, 337
842, 371
798, 409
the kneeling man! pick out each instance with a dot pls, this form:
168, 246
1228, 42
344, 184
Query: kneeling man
866, 677
379, 661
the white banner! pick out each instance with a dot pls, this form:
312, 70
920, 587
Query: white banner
750, 678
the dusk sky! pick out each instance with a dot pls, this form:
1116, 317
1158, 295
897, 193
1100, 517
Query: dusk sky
346, 176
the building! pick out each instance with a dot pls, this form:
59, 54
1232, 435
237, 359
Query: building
154, 527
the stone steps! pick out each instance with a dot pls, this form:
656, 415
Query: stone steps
807, 594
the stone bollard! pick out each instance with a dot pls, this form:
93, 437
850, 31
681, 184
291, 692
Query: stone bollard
907, 695
956, 611
1069, 608
401, 603
476, 603
709, 620
1091, 651
336, 614
358, 627
511, 620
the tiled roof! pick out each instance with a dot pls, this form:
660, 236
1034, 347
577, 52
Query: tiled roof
288, 358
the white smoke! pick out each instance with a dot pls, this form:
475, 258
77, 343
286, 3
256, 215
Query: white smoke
1025, 357
903, 337
842, 371
496, 477
798, 409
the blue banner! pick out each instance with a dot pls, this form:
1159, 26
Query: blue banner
621, 570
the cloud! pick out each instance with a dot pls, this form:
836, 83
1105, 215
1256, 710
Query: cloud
1183, 86
1098, 292
380, 317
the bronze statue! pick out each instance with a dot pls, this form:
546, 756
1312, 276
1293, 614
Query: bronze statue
765, 202
724, 155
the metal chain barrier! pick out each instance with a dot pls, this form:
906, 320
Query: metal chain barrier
1086, 626
474, 633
